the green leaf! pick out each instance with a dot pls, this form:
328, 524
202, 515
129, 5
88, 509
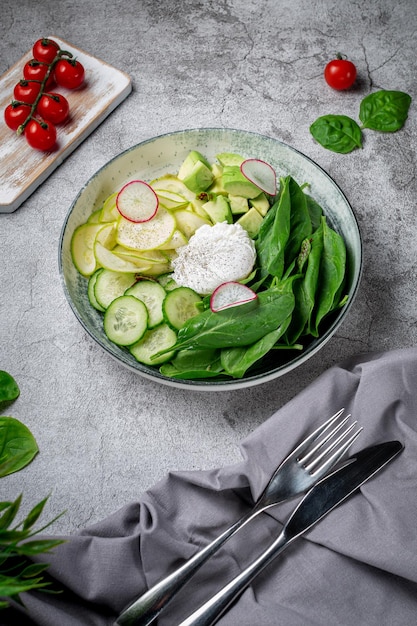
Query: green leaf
331, 275
17, 445
10, 513
34, 570
338, 133
9, 389
236, 361
11, 586
385, 111
34, 514
235, 327
30, 548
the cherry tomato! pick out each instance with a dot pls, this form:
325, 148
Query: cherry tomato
45, 50
15, 114
69, 73
340, 73
27, 91
53, 107
40, 135
37, 70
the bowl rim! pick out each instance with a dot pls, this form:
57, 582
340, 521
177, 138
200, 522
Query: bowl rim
213, 384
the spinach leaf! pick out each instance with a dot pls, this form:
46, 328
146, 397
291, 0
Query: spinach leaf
193, 363
305, 289
338, 133
235, 326
315, 212
9, 389
331, 275
385, 111
274, 233
300, 222
236, 361
17, 445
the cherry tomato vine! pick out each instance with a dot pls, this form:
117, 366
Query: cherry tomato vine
36, 110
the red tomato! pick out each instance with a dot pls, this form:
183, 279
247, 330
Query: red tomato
69, 73
53, 107
37, 70
15, 114
27, 91
340, 73
45, 50
40, 135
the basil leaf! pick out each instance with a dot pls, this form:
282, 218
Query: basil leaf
9, 389
17, 445
385, 111
338, 133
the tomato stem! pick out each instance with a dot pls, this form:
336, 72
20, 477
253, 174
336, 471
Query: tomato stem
61, 53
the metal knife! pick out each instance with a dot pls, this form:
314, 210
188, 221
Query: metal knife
331, 491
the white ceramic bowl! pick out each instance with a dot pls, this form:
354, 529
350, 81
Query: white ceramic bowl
157, 156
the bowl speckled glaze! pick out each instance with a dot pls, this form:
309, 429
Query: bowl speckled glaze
163, 154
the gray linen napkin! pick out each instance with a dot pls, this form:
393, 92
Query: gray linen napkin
358, 566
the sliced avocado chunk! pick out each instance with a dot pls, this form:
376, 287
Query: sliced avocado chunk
260, 203
218, 210
190, 160
195, 172
238, 204
237, 184
217, 170
251, 222
199, 178
229, 158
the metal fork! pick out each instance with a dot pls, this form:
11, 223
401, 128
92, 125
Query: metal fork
300, 470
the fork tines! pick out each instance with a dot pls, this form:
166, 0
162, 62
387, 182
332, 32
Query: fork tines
323, 436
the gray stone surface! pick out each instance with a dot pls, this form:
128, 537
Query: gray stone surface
104, 433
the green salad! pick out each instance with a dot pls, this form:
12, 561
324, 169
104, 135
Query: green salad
130, 250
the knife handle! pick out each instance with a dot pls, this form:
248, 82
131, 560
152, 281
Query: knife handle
214, 608
146, 609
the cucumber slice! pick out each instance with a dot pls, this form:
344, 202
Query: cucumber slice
82, 248
125, 320
110, 261
146, 235
111, 285
152, 294
167, 282
154, 340
90, 290
180, 305
109, 212
94, 218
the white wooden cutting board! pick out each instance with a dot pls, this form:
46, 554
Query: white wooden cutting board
23, 169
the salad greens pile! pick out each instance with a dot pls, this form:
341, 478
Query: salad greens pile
17, 448
299, 278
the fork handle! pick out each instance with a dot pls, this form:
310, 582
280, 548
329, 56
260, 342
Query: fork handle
214, 608
146, 609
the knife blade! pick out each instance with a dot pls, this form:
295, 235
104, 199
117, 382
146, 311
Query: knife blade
326, 495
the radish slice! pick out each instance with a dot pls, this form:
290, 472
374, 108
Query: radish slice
137, 201
231, 294
260, 174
